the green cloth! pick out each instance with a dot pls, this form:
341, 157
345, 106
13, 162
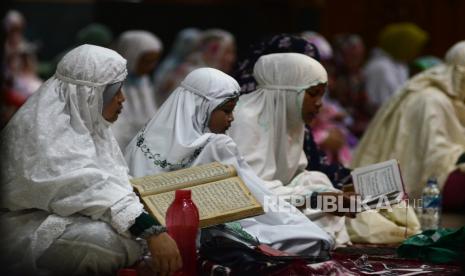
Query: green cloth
236, 228
426, 62
96, 34
436, 246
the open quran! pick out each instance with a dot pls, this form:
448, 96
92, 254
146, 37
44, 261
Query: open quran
379, 184
219, 194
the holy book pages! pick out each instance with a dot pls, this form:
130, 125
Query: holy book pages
219, 194
379, 184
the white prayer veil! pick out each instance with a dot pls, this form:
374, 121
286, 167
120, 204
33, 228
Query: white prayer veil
60, 156
268, 126
132, 44
178, 137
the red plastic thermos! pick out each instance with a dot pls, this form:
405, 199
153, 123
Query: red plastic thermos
182, 223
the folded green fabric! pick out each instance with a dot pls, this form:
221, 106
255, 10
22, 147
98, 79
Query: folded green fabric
436, 246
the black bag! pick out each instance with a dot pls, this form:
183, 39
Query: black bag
241, 257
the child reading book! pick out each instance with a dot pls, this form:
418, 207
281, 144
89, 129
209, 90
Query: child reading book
188, 131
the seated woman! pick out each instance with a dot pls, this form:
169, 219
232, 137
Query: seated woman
67, 205
188, 131
286, 43
269, 129
423, 127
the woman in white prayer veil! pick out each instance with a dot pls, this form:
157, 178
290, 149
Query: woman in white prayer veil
67, 205
142, 50
269, 130
187, 131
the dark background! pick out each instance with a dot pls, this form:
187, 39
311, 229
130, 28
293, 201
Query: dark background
55, 23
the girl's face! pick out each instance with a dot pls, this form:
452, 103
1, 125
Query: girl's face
222, 117
112, 109
312, 102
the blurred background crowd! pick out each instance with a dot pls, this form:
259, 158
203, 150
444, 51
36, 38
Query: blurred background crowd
369, 48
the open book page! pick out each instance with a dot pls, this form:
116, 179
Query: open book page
218, 202
379, 180
181, 179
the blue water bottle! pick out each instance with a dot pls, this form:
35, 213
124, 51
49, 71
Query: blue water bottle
431, 205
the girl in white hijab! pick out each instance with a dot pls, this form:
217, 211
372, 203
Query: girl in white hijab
187, 131
269, 129
142, 50
67, 205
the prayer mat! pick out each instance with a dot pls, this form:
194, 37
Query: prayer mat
364, 259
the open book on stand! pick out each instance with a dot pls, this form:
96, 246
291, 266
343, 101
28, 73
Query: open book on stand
379, 185
219, 194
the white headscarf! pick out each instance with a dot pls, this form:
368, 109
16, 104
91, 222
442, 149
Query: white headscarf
422, 126
132, 44
139, 91
60, 155
268, 126
178, 136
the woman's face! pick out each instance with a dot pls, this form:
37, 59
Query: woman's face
113, 108
147, 62
222, 117
312, 102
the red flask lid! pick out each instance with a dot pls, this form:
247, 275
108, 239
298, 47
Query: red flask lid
183, 194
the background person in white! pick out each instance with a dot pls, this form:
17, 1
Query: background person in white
142, 50
387, 68
423, 126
